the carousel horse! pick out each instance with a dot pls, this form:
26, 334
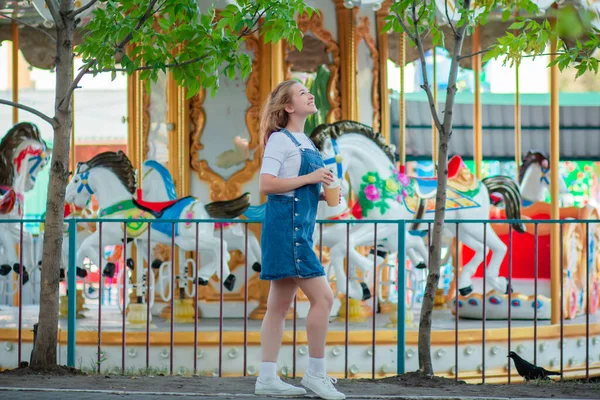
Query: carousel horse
158, 186
534, 178
334, 237
384, 193
23, 153
111, 178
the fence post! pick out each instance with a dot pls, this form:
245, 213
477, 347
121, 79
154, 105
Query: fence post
401, 282
72, 294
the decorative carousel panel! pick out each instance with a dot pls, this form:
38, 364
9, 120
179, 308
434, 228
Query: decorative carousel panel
225, 132
317, 66
368, 72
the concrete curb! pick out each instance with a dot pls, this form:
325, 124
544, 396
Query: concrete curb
241, 395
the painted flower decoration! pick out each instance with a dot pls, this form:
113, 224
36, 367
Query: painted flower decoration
391, 185
371, 192
403, 179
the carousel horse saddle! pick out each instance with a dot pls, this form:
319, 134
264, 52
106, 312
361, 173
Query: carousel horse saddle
166, 210
426, 188
460, 179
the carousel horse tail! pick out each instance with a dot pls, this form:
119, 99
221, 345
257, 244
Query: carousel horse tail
509, 190
229, 208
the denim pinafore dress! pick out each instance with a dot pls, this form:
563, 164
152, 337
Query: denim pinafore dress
288, 226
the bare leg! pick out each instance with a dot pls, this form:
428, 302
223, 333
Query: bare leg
281, 295
320, 296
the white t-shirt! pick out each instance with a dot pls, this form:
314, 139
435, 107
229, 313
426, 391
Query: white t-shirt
282, 157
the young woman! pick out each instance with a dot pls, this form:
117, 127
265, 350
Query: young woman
291, 175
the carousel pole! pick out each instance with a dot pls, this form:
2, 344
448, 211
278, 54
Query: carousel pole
383, 44
477, 140
434, 134
271, 74
15, 98
518, 151
555, 260
402, 104
15, 70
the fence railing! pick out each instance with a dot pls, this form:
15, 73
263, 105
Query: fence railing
388, 255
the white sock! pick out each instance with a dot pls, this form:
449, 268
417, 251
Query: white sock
267, 371
316, 366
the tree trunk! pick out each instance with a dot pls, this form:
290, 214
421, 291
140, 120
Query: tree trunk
435, 249
44, 353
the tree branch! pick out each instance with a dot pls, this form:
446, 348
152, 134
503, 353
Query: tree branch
53, 7
405, 27
172, 65
82, 9
31, 26
425, 86
474, 54
449, 20
40, 114
84, 69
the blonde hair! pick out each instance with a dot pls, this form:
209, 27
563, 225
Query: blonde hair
274, 117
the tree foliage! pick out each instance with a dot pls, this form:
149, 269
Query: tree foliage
198, 46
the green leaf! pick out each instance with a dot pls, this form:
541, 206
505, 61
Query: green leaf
298, 43
516, 25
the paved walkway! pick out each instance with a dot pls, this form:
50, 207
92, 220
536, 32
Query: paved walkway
100, 387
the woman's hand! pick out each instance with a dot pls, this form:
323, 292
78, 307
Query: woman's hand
322, 175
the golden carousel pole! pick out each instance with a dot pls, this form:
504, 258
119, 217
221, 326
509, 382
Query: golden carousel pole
518, 151
555, 261
434, 134
14, 29
477, 142
271, 74
383, 70
179, 166
136, 313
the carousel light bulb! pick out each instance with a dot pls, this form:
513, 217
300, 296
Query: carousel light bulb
131, 352
8, 346
440, 353
469, 350
335, 351
232, 353
370, 352
251, 370
302, 350
349, 4
453, 370
353, 369
199, 354
164, 353
580, 342
495, 350
377, 6
410, 353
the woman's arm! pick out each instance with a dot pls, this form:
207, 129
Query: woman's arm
270, 184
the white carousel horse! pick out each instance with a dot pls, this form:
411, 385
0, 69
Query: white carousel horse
111, 178
158, 186
384, 193
534, 178
23, 153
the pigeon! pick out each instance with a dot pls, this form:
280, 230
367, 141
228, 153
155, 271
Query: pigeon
528, 370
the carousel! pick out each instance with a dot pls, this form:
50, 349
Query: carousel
186, 298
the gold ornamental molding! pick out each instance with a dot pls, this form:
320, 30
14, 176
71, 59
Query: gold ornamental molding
314, 24
346, 24
363, 32
220, 188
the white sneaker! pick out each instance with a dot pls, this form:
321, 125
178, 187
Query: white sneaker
322, 386
277, 387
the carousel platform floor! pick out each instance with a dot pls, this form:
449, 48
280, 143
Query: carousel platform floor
443, 320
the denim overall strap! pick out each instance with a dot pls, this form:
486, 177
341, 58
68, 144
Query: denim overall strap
289, 224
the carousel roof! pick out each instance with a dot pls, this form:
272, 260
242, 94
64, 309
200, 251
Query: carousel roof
579, 125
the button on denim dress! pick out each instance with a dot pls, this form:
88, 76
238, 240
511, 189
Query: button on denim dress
288, 226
